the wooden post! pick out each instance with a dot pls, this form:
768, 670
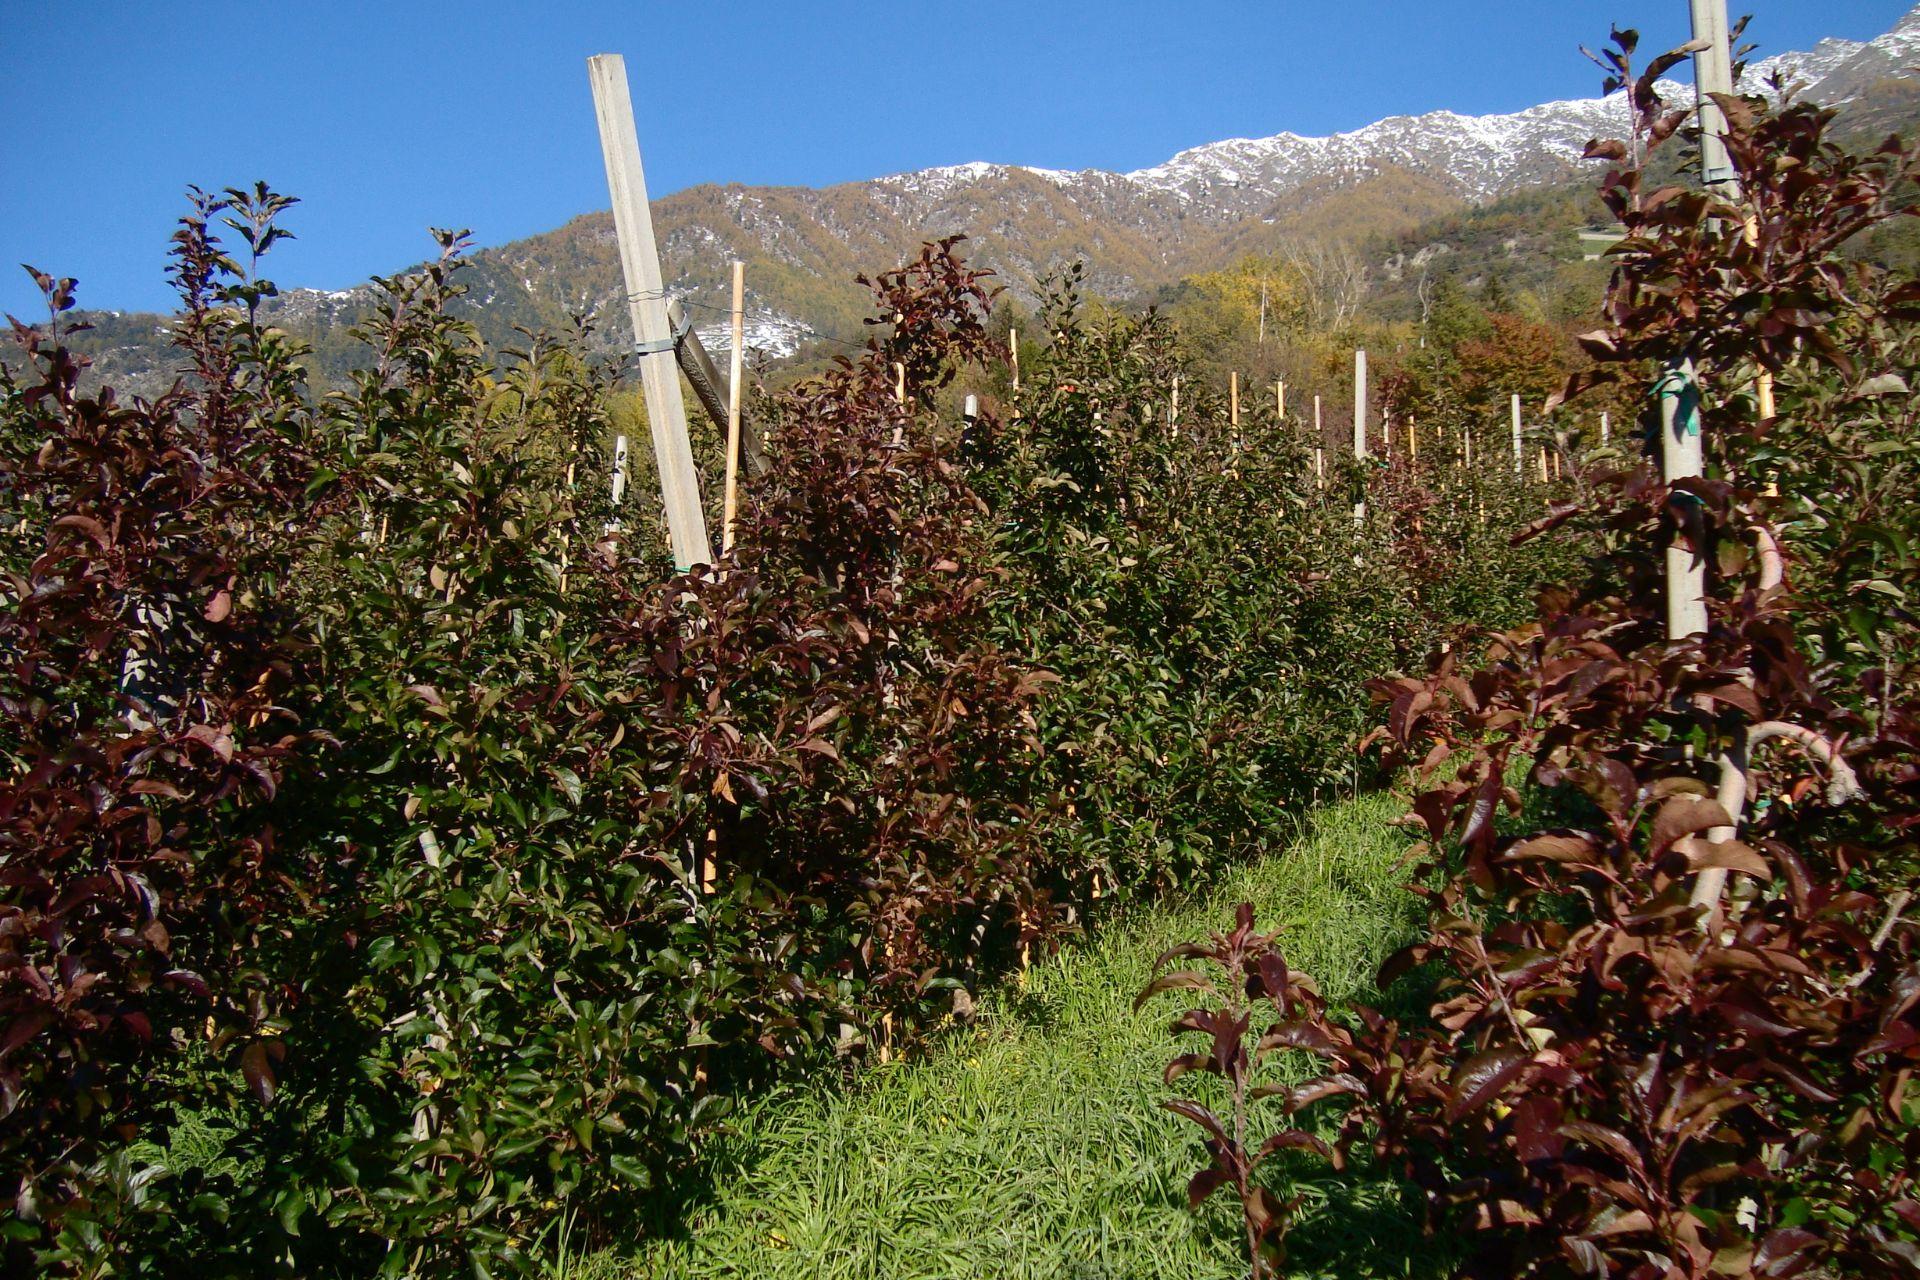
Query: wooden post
732, 505
619, 469
1516, 435
646, 298
1359, 404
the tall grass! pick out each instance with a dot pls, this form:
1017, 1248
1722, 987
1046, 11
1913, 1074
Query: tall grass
1032, 1144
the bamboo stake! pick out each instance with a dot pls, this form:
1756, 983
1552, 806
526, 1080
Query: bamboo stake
1413, 441
1516, 435
731, 508
900, 398
1280, 398
1173, 409
1544, 477
619, 468
1233, 402
1603, 430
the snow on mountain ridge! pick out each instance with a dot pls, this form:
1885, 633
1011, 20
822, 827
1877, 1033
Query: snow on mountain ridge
1484, 156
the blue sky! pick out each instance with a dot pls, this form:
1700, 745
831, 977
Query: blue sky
387, 118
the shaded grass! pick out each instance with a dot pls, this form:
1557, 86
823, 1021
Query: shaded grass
1033, 1144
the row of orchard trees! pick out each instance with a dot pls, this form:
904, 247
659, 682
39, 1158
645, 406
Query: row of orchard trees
1450, 386
399, 856
1665, 1017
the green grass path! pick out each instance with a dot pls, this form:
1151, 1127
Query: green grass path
1032, 1144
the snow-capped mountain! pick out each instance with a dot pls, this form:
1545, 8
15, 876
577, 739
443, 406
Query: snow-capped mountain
1197, 211
1481, 156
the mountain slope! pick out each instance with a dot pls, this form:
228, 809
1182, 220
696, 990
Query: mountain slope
1138, 231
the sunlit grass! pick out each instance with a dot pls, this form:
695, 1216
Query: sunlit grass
1033, 1144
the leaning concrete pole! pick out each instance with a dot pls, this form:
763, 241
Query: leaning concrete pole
647, 300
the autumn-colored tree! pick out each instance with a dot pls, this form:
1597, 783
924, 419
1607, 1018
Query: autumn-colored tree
1517, 356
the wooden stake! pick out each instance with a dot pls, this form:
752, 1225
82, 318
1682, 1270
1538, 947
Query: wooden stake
1173, 409
1413, 441
1233, 398
1544, 477
1280, 399
1603, 430
704, 377
732, 506
647, 301
1013, 351
1320, 465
